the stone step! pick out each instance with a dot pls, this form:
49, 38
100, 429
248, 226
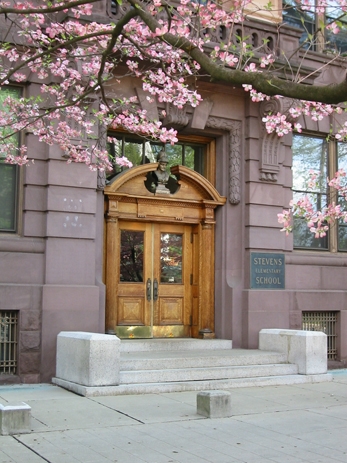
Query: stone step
162, 360
204, 374
162, 388
174, 344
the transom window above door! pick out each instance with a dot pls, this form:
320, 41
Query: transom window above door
189, 153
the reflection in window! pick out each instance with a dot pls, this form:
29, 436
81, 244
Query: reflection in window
336, 42
301, 19
309, 153
342, 226
313, 22
131, 256
8, 175
171, 258
140, 152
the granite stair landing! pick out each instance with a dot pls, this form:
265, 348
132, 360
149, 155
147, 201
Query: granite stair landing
173, 365
94, 364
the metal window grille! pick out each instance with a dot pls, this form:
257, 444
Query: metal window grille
326, 322
8, 342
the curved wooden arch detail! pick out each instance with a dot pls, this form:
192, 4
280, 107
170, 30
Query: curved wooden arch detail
193, 202
181, 172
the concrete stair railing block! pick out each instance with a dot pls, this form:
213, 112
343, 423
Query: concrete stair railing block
89, 359
306, 349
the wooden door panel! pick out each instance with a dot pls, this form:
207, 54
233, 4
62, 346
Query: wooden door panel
131, 311
171, 311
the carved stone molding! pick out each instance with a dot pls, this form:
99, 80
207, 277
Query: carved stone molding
277, 105
269, 165
271, 145
175, 117
234, 129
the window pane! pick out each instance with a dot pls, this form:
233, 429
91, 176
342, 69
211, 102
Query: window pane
189, 156
140, 152
342, 237
8, 190
171, 258
8, 173
174, 154
342, 226
194, 157
301, 19
337, 42
309, 153
304, 238
131, 256
342, 156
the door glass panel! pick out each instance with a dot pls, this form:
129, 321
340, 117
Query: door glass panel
171, 258
131, 256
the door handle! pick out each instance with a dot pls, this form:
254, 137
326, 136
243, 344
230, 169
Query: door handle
155, 289
149, 289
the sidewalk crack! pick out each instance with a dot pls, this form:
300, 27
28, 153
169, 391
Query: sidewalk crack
31, 449
118, 411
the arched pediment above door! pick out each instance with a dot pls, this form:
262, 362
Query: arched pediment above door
195, 198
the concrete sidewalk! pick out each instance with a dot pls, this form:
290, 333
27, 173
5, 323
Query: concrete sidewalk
284, 424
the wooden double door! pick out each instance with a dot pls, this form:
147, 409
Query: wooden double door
155, 279
159, 255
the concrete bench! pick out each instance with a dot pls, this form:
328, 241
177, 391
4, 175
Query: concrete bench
14, 419
214, 404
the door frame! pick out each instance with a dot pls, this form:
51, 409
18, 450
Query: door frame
194, 204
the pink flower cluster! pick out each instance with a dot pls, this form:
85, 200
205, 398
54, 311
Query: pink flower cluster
79, 61
317, 221
285, 123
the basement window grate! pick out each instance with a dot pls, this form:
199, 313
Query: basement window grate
8, 342
326, 322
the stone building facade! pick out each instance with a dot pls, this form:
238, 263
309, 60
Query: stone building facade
54, 272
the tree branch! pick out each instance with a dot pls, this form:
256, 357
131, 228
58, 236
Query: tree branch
264, 82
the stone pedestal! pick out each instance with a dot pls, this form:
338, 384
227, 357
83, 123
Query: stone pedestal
306, 349
88, 359
214, 404
14, 419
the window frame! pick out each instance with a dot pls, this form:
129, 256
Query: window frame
17, 189
209, 144
331, 194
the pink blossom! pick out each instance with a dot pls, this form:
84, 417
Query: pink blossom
333, 27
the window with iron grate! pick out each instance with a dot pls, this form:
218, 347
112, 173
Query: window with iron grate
8, 342
325, 322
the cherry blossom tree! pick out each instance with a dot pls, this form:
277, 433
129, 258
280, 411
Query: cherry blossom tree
168, 46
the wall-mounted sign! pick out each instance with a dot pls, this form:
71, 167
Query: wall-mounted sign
267, 270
